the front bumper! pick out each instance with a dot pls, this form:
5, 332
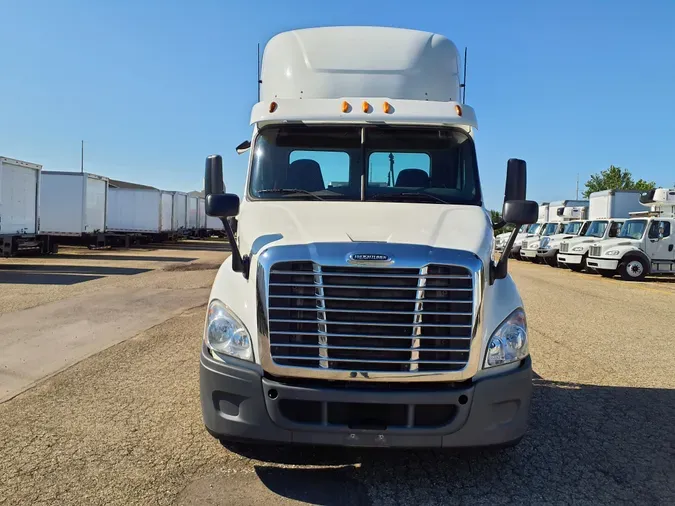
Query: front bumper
239, 403
567, 258
547, 253
528, 253
602, 264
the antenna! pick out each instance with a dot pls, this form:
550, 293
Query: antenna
258, 66
463, 86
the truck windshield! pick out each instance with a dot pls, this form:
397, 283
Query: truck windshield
632, 229
596, 229
398, 164
572, 228
550, 229
534, 228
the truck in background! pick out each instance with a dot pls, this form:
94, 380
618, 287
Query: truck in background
20, 187
607, 212
525, 232
644, 245
339, 318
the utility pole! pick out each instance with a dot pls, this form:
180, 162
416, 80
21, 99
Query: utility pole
82, 159
390, 179
577, 198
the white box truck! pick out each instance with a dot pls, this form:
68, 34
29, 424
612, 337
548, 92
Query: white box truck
20, 208
73, 203
372, 313
179, 211
644, 245
607, 211
134, 210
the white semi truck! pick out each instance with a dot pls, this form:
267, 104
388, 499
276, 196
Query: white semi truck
369, 313
644, 245
607, 211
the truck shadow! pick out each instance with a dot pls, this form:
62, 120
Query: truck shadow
45, 274
115, 258
595, 444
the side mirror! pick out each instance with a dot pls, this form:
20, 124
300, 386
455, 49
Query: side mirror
243, 147
516, 180
213, 177
520, 212
223, 205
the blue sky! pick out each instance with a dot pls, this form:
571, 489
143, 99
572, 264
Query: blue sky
153, 86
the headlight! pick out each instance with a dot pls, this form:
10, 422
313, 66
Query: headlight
509, 342
578, 248
225, 333
613, 252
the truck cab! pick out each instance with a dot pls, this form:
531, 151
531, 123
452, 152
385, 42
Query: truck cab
573, 252
502, 239
549, 245
369, 311
528, 250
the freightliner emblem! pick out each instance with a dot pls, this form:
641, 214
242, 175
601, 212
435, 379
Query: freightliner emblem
368, 257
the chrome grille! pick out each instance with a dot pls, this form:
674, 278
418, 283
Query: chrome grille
564, 247
595, 251
370, 318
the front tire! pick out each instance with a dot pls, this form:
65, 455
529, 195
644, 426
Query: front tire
633, 269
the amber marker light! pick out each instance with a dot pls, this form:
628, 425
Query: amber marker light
365, 106
345, 106
273, 106
386, 107
458, 110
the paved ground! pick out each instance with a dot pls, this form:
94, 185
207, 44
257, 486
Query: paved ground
123, 427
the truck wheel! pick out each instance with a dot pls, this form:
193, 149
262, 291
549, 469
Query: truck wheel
633, 269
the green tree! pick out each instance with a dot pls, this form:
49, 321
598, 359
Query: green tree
616, 178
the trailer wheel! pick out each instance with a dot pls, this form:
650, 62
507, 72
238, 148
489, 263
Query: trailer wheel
633, 269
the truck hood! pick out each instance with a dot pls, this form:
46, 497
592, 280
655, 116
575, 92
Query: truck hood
583, 240
613, 243
265, 224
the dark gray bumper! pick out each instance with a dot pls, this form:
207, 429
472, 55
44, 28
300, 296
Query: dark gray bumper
237, 403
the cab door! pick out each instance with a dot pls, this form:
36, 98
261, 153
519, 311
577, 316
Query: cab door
661, 246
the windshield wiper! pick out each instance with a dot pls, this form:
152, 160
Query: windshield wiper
411, 195
290, 190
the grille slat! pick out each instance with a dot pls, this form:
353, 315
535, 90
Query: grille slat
595, 251
564, 247
370, 318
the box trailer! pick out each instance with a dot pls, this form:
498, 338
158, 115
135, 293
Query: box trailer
134, 210
19, 197
614, 204
166, 214
179, 211
20, 208
72, 203
213, 223
192, 213
201, 214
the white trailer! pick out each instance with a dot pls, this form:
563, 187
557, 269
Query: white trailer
543, 212
614, 204
166, 214
192, 213
214, 224
72, 203
20, 208
179, 211
201, 214
19, 196
134, 210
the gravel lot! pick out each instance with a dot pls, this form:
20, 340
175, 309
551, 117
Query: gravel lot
124, 426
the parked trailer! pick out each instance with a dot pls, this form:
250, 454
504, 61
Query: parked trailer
179, 211
214, 225
192, 213
20, 208
614, 204
134, 210
166, 214
73, 204
201, 217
